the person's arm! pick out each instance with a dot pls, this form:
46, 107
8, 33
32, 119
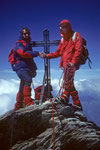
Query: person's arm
21, 50
56, 53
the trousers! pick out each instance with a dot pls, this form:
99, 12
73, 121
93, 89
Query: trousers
25, 79
69, 73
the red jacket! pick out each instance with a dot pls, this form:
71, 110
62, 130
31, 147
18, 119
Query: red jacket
70, 51
24, 56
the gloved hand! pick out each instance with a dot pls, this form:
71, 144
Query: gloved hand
43, 55
70, 64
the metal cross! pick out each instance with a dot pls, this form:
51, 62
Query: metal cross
46, 43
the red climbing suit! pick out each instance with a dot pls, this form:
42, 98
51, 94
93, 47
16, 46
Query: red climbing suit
70, 52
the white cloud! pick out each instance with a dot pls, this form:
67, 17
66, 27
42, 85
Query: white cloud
8, 86
8, 90
89, 87
89, 93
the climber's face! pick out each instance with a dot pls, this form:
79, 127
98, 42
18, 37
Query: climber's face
64, 29
26, 35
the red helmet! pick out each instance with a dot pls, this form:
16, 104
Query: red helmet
65, 22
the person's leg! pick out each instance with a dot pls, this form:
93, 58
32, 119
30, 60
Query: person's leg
24, 93
26, 75
19, 97
75, 98
67, 81
70, 87
64, 98
19, 101
27, 96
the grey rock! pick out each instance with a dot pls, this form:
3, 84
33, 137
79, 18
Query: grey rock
31, 128
67, 112
80, 116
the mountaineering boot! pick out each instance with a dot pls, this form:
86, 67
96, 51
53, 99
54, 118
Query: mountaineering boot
19, 101
27, 96
60, 99
64, 98
65, 95
76, 102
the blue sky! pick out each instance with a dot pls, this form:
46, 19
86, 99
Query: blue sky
47, 14
39, 15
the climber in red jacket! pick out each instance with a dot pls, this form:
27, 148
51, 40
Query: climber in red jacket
70, 53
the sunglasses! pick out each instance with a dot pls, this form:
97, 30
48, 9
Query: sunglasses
26, 34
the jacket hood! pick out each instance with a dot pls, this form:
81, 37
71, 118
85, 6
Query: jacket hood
66, 22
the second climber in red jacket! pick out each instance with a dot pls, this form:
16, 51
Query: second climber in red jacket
70, 52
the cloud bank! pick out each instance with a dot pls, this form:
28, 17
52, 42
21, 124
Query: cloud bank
89, 93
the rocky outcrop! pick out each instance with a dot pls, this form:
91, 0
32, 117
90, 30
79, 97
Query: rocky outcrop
31, 128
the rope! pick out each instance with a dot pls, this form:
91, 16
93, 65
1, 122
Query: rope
67, 81
53, 107
12, 128
68, 78
53, 126
61, 86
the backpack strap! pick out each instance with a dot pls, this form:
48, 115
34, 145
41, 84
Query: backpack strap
89, 62
73, 37
62, 39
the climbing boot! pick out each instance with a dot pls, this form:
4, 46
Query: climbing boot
27, 96
76, 102
19, 101
64, 98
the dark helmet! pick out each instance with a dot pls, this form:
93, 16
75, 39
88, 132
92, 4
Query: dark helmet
25, 28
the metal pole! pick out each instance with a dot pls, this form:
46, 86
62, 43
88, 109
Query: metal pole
47, 61
46, 44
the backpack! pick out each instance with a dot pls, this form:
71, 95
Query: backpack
12, 59
85, 52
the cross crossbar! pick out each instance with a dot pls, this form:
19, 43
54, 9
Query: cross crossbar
43, 43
